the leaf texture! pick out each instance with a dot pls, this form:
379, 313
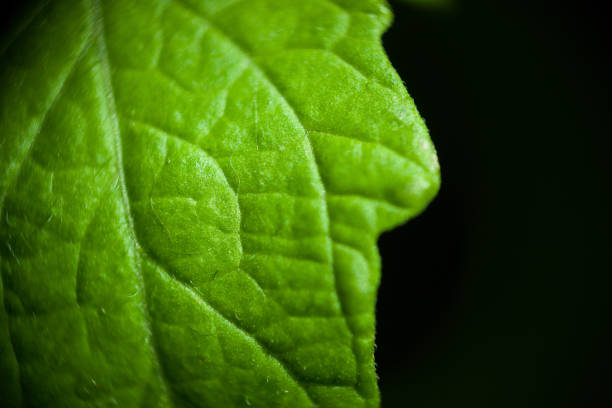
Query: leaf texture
191, 194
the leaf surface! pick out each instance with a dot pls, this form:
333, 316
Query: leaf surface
191, 195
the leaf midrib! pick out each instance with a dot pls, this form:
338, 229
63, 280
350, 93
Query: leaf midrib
95, 8
97, 28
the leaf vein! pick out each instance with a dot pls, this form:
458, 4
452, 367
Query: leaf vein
249, 58
83, 50
204, 302
95, 8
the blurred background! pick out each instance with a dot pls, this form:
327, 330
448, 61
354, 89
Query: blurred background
497, 296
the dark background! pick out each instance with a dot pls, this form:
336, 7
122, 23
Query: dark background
497, 296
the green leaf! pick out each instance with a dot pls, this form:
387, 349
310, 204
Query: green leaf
191, 195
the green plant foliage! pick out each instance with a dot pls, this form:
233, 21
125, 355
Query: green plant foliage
191, 195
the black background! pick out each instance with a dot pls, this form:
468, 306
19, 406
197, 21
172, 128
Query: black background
497, 296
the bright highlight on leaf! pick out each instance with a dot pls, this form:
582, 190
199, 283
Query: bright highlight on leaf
191, 194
